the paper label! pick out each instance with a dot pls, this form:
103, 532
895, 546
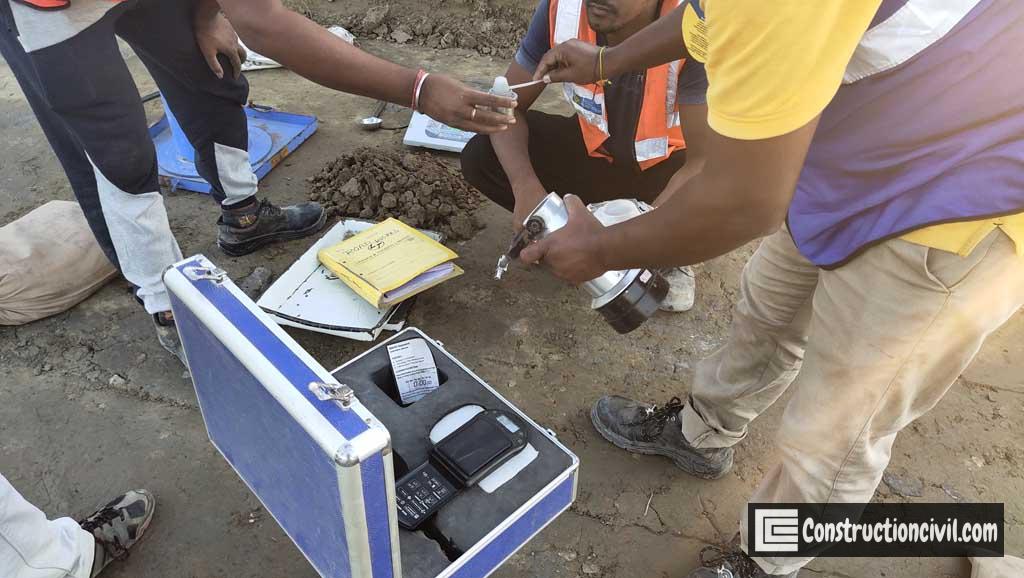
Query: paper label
415, 371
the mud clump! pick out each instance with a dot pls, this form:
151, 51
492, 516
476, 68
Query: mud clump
491, 30
417, 189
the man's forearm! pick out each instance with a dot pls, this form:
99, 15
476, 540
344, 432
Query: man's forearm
698, 222
315, 53
658, 43
741, 193
689, 170
512, 147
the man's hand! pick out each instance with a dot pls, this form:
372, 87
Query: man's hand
215, 35
572, 61
527, 199
576, 61
572, 253
455, 104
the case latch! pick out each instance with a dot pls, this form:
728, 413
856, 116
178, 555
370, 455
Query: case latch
211, 273
338, 392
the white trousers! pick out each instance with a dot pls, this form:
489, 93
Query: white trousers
141, 233
142, 238
33, 547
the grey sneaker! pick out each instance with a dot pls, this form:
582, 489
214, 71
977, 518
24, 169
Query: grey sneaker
259, 223
648, 429
118, 526
167, 333
682, 289
731, 561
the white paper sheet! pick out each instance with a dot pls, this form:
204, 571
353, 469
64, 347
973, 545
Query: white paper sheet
415, 371
426, 132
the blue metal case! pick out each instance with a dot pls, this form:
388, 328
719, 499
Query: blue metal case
316, 458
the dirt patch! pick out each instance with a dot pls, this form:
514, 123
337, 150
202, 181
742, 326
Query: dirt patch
417, 189
483, 26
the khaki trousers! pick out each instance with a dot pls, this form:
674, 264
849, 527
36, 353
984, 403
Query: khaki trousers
869, 347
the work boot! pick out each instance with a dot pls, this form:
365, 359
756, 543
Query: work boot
118, 526
731, 562
167, 333
648, 429
682, 287
257, 223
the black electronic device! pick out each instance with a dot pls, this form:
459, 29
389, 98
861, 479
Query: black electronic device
460, 460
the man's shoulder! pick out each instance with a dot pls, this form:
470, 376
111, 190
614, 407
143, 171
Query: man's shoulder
537, 40
540, 24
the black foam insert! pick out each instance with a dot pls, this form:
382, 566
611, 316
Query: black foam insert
421, 556
474, 513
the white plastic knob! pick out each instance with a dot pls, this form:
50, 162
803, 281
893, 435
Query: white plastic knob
616, 211
501, 85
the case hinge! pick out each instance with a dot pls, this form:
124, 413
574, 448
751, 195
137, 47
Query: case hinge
338, 392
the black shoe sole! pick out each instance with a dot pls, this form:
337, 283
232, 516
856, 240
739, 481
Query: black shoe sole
241, 249
684, 461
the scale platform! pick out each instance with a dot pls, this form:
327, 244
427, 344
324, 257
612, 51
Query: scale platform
273, 135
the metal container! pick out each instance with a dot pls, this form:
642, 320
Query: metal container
625, 298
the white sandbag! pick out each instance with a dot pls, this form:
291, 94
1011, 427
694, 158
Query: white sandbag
1005, 567
49, 261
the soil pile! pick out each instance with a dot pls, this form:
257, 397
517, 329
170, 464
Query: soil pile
492, 30
417, 189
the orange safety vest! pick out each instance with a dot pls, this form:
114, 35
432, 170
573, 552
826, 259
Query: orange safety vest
658, 132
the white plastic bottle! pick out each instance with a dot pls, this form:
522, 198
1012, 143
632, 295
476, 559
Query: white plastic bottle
500, 88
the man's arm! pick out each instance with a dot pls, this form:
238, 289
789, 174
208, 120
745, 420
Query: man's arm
776, 67
741, 194
314, 53
576, 61
694, 120
513, 149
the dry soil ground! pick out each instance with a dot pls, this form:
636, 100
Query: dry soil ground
89, 403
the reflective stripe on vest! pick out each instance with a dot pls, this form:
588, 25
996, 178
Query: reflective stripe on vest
650, 149
914, 27
658, 132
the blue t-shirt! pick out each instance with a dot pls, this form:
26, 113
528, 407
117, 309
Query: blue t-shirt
623, 97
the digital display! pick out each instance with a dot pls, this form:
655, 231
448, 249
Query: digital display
476, 446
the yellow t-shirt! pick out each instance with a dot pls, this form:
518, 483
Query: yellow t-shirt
774, 66
962, 238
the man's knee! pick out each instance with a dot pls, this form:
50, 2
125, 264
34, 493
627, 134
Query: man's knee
482, 169
477, 161
132, 169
